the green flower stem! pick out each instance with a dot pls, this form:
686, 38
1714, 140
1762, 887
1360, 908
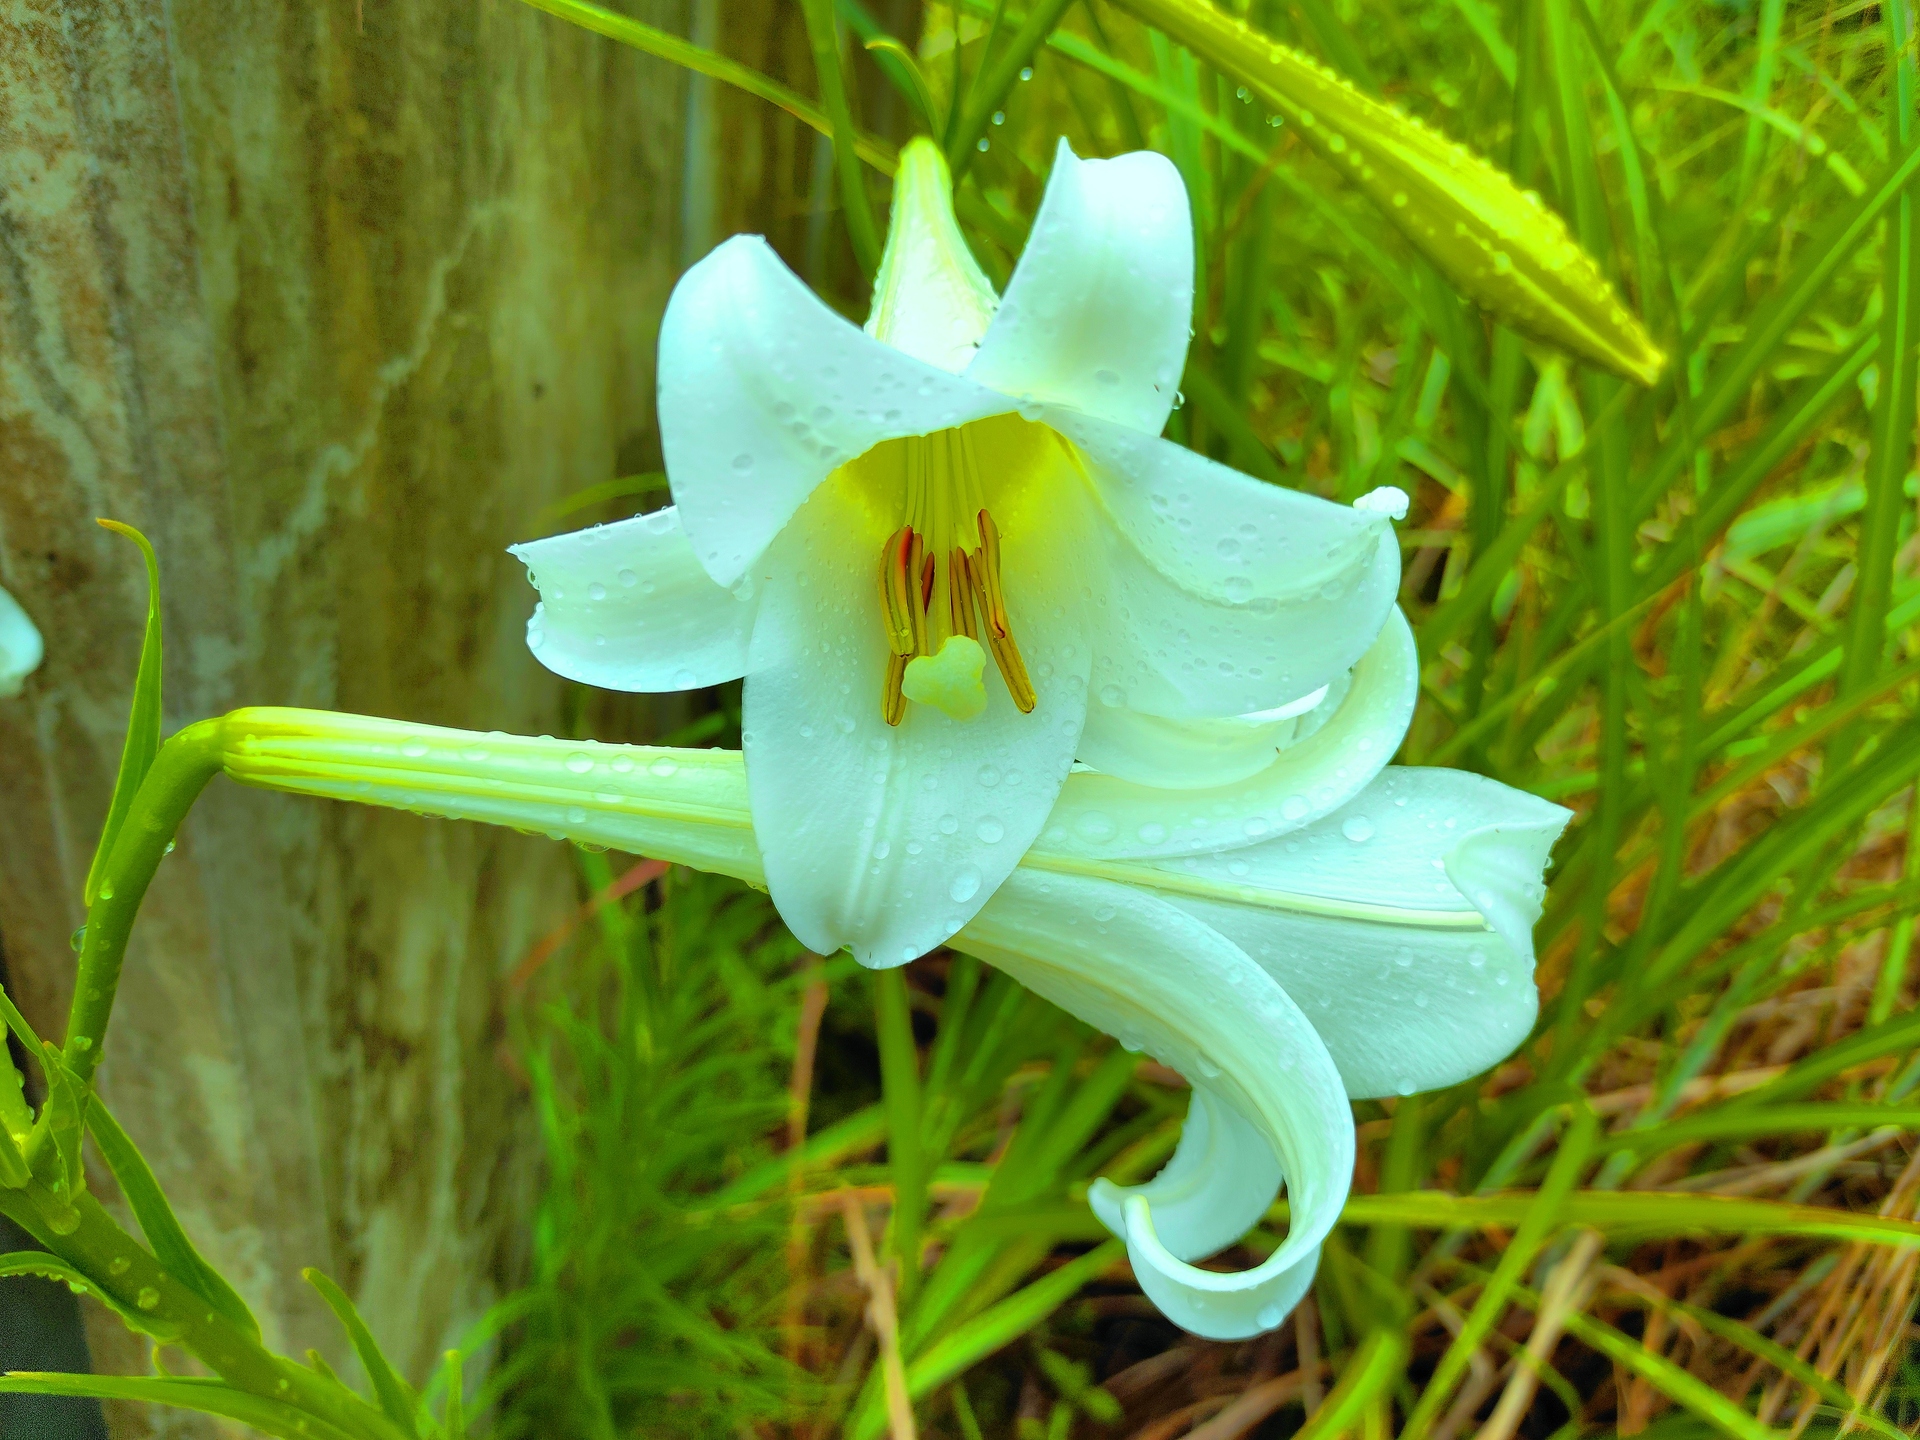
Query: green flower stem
180, 771
131, 1279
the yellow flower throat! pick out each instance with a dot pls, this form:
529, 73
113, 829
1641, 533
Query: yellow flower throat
940, 589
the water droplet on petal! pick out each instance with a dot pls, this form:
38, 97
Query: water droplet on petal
1357, 828
966, 884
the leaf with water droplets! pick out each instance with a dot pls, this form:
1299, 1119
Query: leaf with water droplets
1499, 245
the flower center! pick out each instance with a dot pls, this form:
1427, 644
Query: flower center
940, 589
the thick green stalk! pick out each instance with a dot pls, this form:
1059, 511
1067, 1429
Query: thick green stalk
180, 772
89, 1240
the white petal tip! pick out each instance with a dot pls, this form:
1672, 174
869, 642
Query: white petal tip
21, 648
1388, 500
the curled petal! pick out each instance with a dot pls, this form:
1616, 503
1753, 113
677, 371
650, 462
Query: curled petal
764, 391
1195, 754
1223, 595
1401, 923
1220, 1181
1346, 745
627, 606
1097, 313
887, 838
1139, 968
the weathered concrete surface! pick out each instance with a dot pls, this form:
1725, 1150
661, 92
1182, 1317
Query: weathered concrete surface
330, 302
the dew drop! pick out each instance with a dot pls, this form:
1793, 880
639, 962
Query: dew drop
966, 884
663, 767
627, 578
1294, 807
596, 591
119, 1265
742, 463
990, 831
78, 939
1096, 827
623, 765
580, 763
1152, 833
148, 1298
414, 749
988, 776
1357, 828
948, 824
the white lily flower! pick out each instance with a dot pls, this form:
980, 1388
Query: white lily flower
21, 648
1380, 946
951, 554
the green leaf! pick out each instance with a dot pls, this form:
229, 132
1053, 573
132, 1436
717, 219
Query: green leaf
52, 1267
1775, 1354
987, 1332
655, 41
168, 1241
987, 92
453, 1420
1670, 1379
1541, 1217
1750, 1123
1893, 1036
1498, 245
63, 1120
823, 32
143, 723
395, 1398
209, 1397
900, 1090
1379, 1362
1633, 1213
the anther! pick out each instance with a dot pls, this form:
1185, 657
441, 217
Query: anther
896, 592
960, 594
993, 613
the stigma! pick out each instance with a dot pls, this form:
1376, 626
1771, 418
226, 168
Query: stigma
940, 591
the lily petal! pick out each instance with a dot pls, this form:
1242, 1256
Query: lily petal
930, 299
627, 606
1138, 968
1104, 816
875, 837
764, 391
1097, 314
1194, 754
1220, 1181
1401, 923
688, 807
21, 648
1224, 595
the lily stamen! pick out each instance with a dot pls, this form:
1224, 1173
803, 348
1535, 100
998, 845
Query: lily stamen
993, 610
940, 583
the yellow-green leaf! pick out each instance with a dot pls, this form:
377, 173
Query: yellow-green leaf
1497, 243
